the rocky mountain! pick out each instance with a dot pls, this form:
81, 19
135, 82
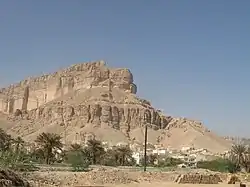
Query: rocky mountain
92, 100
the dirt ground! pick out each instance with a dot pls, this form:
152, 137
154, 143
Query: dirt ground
171, 184
118, 178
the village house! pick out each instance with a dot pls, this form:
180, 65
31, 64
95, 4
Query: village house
161, 151
137, 157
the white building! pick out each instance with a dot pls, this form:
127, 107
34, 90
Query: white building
186, 149
122, 144
160, 151
136, 156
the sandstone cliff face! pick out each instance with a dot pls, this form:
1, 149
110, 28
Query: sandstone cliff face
89, 94
98, 113
34, 92
120, 118
91, 100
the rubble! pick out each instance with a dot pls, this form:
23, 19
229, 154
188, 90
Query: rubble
10, 179
233, 179
198, 179
95, 177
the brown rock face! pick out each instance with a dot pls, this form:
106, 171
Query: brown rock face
100, 115
34, 92
91, 100
81, 96
89, 95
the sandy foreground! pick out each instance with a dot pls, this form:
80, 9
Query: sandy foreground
162, 184
118, 178
172, 184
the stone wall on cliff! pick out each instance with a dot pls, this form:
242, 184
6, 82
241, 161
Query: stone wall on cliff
34, 92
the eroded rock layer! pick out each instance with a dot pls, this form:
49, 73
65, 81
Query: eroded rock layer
92, 100
34, 92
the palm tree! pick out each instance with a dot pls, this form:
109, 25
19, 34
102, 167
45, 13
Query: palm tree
18, 143
78, 148
152, 158
111, 157
48, 142
95, 150
75, 147
37, 154
237, 153
246, 160
125, 155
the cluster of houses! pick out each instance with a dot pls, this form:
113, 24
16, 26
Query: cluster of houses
189, 155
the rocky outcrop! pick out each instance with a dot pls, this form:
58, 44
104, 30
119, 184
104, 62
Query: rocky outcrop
10, 179
34, 92
89, 94
123, 118
91, 100
233, 179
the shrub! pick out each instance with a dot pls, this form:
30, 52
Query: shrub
221, 165
37, 155
17, 162
110, 158
118, 156
150, 159
78, 161
169, 162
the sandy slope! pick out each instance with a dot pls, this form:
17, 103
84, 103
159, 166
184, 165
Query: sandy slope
192, 138
4, 123
184, 133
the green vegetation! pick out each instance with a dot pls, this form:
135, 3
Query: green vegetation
150, 159
77, 158
15, 154
238, 160
170, 162
5, 141
240, 156
49, 150
221, 165
49, 142
110, 158
160, 162
124, 155
95, 150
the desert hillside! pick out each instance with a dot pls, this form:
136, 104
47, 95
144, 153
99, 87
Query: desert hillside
92, 100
